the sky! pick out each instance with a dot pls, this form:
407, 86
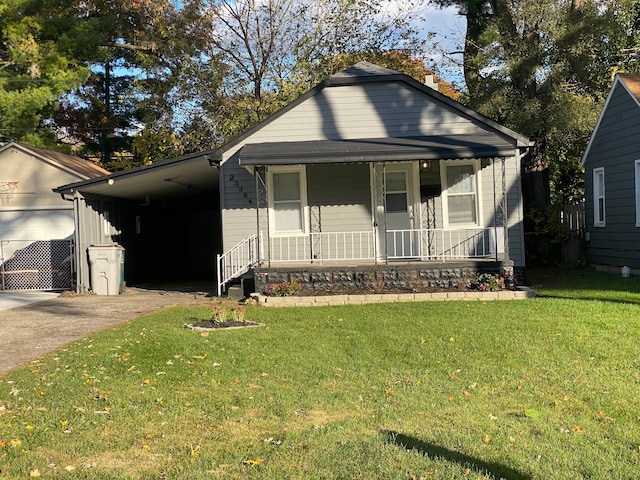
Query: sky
449, 29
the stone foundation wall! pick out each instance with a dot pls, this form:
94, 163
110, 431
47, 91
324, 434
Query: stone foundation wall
379, 278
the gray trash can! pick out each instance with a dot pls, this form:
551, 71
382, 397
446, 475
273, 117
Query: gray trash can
106, 266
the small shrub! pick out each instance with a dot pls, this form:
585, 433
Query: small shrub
377, 282
285, 289
224, 310
489, 282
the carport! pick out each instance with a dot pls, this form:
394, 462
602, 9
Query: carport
166, 215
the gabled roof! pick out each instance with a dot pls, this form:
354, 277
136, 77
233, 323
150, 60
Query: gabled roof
160, 176
630, 82
365, 72
76, 165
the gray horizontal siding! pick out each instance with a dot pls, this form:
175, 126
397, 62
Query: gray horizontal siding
364, 111
615, 147
340, 195
238, 191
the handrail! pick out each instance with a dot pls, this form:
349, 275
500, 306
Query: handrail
237, 260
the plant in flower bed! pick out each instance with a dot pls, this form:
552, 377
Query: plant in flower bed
225, 313
285, 289
489, 282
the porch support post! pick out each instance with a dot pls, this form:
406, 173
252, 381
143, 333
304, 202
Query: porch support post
262, 205
505, 209
500, 206
495, 207
384, 213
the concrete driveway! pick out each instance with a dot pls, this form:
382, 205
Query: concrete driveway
34, 324
20, 299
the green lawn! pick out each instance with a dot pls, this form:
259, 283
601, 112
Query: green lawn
546, 388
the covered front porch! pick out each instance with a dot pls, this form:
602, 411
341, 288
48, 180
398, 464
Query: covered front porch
444, 219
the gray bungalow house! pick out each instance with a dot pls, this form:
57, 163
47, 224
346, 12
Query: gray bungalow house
370, 176
612, 179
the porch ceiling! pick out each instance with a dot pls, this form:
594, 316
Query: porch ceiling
390, 149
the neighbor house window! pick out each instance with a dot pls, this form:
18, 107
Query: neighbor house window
637, 169
287, 199
598, 198
460, 193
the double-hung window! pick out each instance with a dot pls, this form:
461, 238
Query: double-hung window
288, 199
460, 193
599, 218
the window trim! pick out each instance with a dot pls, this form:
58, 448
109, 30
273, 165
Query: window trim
445, 164
599, 172
302, 171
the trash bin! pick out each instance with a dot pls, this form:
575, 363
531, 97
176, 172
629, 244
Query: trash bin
106, 266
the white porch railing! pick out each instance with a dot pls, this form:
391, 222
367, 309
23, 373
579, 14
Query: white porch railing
416, 244
324, 246
237, 261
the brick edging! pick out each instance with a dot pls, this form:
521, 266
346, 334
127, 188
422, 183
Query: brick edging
521, 293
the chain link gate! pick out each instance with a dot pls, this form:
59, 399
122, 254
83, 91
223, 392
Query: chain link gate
36, 265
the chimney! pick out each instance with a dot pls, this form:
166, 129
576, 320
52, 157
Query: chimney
430, 82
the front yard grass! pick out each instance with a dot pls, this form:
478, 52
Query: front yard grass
545, 388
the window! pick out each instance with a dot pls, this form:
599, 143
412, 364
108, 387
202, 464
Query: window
460, 195
288, 199
396, 189
598, 198
637, 169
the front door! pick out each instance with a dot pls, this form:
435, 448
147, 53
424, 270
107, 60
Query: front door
399, 199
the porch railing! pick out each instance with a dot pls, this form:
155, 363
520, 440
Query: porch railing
325, 246
237, 261
416, 244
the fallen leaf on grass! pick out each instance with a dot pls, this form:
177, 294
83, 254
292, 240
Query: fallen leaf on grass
253, 462
531, 413
194, 450
34, 473
577, 429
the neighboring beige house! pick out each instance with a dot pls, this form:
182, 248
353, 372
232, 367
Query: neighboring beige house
29, 209
31, 214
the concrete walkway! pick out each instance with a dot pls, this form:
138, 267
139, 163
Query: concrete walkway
32, 324
20, 299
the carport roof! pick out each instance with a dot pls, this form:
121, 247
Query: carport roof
440, 147
188, 175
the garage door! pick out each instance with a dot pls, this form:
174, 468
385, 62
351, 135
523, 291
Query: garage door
41, 224
36, 249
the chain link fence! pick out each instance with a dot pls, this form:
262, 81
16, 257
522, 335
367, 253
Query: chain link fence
36, 265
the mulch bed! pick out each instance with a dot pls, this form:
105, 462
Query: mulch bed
210, 324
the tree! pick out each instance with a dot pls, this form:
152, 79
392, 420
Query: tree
276, 49
128, 112
543, 68
38, 63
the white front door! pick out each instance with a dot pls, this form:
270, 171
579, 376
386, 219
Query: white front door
400, 211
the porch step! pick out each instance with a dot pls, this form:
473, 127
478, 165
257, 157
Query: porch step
242, 290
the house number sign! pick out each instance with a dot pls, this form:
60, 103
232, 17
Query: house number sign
240, 188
